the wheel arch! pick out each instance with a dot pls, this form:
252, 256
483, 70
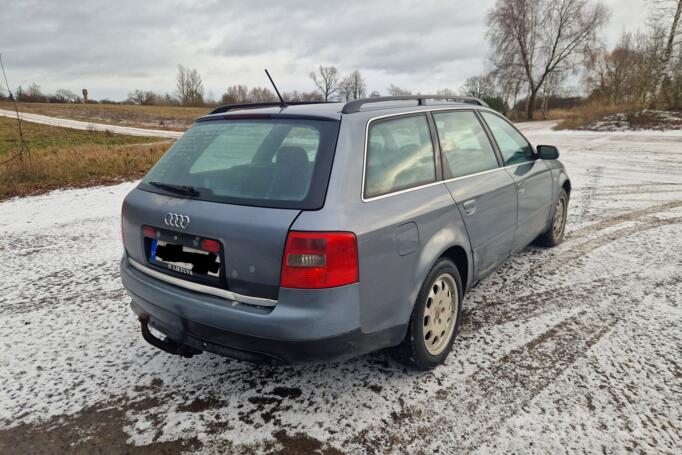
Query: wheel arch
565, 183
458, 255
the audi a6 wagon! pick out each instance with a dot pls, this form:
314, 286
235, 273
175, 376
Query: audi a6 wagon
292, 233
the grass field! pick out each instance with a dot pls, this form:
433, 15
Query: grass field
66, 158
158, 117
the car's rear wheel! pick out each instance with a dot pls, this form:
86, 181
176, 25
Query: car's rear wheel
435, 319
555, 234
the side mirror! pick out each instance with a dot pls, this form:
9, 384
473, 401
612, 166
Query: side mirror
548, 152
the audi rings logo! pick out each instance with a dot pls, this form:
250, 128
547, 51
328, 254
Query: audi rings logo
176, 220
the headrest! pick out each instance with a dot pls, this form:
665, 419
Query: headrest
291, 156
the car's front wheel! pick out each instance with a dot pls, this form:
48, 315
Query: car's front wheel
555, 234
435, 319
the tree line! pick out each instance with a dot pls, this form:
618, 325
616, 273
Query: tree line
329, 85
644, 68
537, 48
538, 44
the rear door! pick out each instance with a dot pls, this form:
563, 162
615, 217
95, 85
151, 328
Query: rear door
241, 182
483, 191
531, 175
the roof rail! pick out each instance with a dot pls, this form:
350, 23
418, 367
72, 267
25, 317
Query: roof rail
356, 105
234, 107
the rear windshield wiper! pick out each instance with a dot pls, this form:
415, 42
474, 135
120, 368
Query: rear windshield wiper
179, 189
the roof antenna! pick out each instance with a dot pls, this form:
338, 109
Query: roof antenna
282, 102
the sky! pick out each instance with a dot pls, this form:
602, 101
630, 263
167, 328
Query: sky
114, 47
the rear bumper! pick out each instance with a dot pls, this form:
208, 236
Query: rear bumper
306, 326
264, 350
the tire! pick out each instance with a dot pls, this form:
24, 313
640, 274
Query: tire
555, 234
420, 349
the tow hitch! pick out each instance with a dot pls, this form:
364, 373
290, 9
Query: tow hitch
166, 345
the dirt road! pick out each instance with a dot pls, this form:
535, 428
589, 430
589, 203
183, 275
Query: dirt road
576, 348
79, 125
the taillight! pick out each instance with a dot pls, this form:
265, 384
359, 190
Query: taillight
314, 260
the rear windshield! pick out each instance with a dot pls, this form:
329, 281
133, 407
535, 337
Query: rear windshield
274, 162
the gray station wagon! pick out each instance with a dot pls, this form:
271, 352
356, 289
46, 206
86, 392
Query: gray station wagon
308, 232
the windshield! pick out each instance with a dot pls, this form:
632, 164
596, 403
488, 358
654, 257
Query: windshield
273, 162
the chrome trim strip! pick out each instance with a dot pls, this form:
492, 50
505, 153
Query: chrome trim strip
427, 185
196, 287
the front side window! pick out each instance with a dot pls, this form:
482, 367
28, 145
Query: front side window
514, 147
466, 148
399, 155
274, 162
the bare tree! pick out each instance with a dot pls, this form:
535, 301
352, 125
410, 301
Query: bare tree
295, 95
236, 94
478, 86
352, 87
394, 90
261, 95
240, 94
674, 91
144, 98
189, 86
23, 147
550, 89
663, 9
327, 81
33, 93
542, 37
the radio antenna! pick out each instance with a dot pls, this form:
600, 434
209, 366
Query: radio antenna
282, 103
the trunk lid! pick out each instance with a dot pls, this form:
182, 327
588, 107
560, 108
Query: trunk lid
252, 238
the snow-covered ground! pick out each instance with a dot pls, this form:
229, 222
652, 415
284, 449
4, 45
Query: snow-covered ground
637, 121
577, 348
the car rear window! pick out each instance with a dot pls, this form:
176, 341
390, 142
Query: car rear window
273, 162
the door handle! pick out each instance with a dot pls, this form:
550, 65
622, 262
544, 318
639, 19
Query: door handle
520, 187
469, 207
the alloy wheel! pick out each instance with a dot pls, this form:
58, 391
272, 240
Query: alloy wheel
440, 314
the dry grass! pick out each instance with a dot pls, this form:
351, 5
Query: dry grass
43, 136
552, 114
582, 116
157, 117
65, 158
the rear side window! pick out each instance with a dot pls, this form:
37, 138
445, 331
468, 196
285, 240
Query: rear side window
514, 147
466, 148
399, 155
283, 163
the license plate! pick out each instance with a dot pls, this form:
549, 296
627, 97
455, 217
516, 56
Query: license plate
185, 260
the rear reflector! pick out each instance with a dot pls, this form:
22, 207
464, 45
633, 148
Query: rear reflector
212, 246
149, 232
315, 260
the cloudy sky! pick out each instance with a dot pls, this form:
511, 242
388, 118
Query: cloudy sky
113, 47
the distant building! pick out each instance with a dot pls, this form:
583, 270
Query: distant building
85, 96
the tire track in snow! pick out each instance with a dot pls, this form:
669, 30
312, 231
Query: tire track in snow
633, 215
533, 260
589, 191
494, 393
580, 250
